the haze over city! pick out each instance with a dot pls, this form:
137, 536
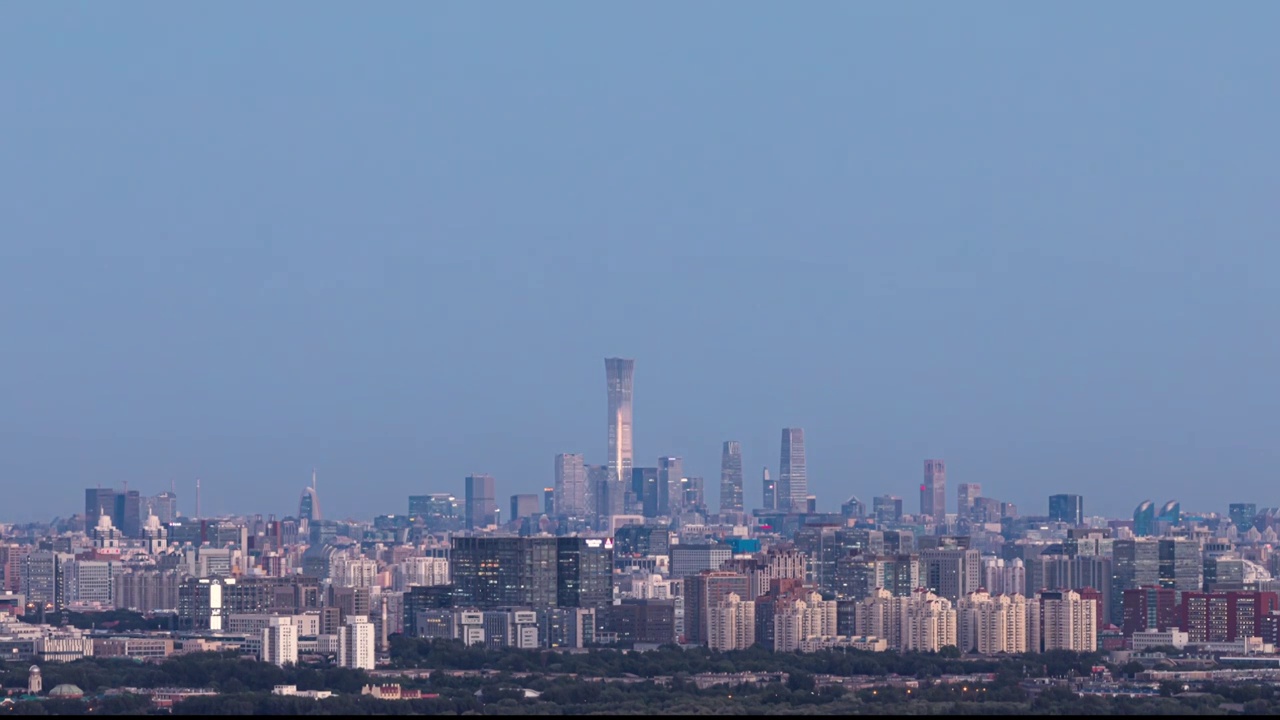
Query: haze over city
396, 246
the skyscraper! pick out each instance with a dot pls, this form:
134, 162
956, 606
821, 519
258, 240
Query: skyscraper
135, 511
571, 486
887, 508
610, 494
793, 480
770, 491
309, 504
933, 492
644, 488
1170, 512
97, 502
670, 471
165, 506
481, 501
695, 495
731, 477
966, 493
1242, 515
1067, 508
1144, 519
494, 572
618, 376
525, 505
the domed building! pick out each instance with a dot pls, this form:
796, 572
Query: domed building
66, 691
35, 682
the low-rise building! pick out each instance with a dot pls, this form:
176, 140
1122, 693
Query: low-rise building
1146, 639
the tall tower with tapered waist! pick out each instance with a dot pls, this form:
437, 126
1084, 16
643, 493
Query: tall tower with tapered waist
793, 479
618, 375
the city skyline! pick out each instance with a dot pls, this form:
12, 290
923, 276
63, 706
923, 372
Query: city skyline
571, 478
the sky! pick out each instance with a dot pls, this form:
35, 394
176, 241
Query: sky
394, 244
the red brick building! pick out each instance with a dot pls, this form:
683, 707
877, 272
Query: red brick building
1150, 608
1225, 616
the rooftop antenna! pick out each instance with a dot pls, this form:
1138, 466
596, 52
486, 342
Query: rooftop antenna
197, 498
313, 478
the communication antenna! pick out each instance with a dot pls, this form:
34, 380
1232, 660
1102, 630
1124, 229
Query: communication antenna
197, 498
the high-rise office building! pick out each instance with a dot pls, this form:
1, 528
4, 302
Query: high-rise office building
694, 494
584, 572
495, 572
966, 495
434, 508
1171, 563
90, 581
1242, 515
480, 501
44, 578
135, 511
887, 508
933, 491
1067, 508
770, 491
1056, 571
690, 559
619, 373
492, 572
670, 472
793, 479
858, 575
644, 490
100, 501
853, 508
571, 491
525, 505
951, 573
641, 540
1170, 513
165, 506
610, 492
731, 477
309, 503
1144, 519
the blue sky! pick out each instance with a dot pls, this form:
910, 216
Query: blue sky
243, 239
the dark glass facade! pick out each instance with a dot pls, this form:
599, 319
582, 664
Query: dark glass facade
498, 572
1067, 508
